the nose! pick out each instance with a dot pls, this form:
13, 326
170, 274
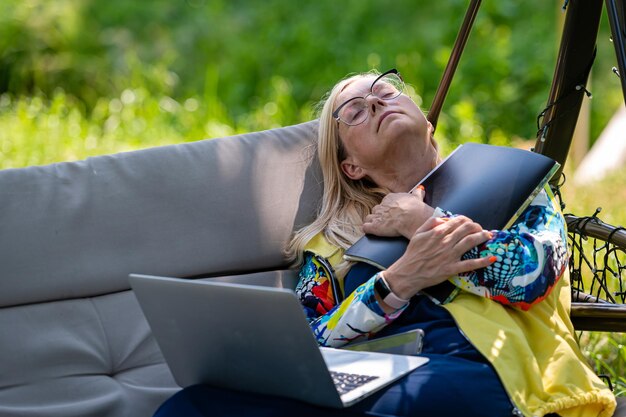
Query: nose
373, 102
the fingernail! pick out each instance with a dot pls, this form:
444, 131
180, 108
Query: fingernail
492, 259
421, 187
490, 235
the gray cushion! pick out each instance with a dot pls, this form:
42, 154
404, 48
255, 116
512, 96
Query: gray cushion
84, 357
73, 341
223, 205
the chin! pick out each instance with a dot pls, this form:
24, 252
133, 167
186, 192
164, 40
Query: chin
399, 128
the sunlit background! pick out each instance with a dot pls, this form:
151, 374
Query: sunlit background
80, 78
85, 77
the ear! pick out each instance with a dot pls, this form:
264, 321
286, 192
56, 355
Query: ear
352, 170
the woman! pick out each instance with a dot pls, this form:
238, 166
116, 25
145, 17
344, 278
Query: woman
485, 359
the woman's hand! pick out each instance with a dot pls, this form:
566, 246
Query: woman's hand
399, 214
434, 255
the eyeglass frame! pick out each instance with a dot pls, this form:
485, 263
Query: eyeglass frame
335, 113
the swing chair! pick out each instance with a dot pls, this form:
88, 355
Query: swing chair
598, 250
597, 262
73, 337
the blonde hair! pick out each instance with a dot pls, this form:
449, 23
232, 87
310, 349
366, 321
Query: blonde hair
345, 202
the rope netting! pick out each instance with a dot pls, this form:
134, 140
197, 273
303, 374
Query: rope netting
597, 260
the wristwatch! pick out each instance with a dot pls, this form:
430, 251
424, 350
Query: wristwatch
382, 288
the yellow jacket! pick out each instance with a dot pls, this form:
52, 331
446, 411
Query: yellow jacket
534, 352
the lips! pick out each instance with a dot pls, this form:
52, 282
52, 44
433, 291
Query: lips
383, 117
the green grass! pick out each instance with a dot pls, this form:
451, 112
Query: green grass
609, 194
36, 130
606, 353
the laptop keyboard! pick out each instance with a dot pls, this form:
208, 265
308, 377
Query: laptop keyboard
347, 382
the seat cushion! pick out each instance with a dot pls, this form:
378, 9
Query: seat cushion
83, 357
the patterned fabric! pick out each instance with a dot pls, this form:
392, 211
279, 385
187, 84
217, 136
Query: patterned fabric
531, 257
357, 317
314, 288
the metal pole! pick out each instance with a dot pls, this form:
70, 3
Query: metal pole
455, 56
615, 11
574, 61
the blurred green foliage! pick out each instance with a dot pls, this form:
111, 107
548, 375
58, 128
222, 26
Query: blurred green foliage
254, 65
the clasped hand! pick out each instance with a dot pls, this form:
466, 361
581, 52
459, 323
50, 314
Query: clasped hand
436, 245
399, 214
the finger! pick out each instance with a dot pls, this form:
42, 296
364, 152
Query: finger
467, 228
461, 226
471, 241
469, 265
370, 225
453, 229
458, 236
369, 228
430, 224
461, 219
419, 191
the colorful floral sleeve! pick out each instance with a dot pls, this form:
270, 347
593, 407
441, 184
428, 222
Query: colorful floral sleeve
531, 257
358, 316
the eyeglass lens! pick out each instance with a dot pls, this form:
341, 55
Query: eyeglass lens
385, 88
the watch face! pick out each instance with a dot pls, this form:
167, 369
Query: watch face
388, 297
381, 287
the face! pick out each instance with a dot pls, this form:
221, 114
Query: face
392, 146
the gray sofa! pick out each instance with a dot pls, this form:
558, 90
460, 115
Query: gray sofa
73, 341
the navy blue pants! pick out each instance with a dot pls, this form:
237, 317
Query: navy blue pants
457, 381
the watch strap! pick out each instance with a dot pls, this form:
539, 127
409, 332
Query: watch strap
391, 299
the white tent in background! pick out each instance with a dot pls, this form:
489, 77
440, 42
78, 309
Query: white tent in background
607, 154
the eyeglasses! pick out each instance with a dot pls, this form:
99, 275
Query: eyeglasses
387, 86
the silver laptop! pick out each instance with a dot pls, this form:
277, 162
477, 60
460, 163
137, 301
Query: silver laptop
256, 339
